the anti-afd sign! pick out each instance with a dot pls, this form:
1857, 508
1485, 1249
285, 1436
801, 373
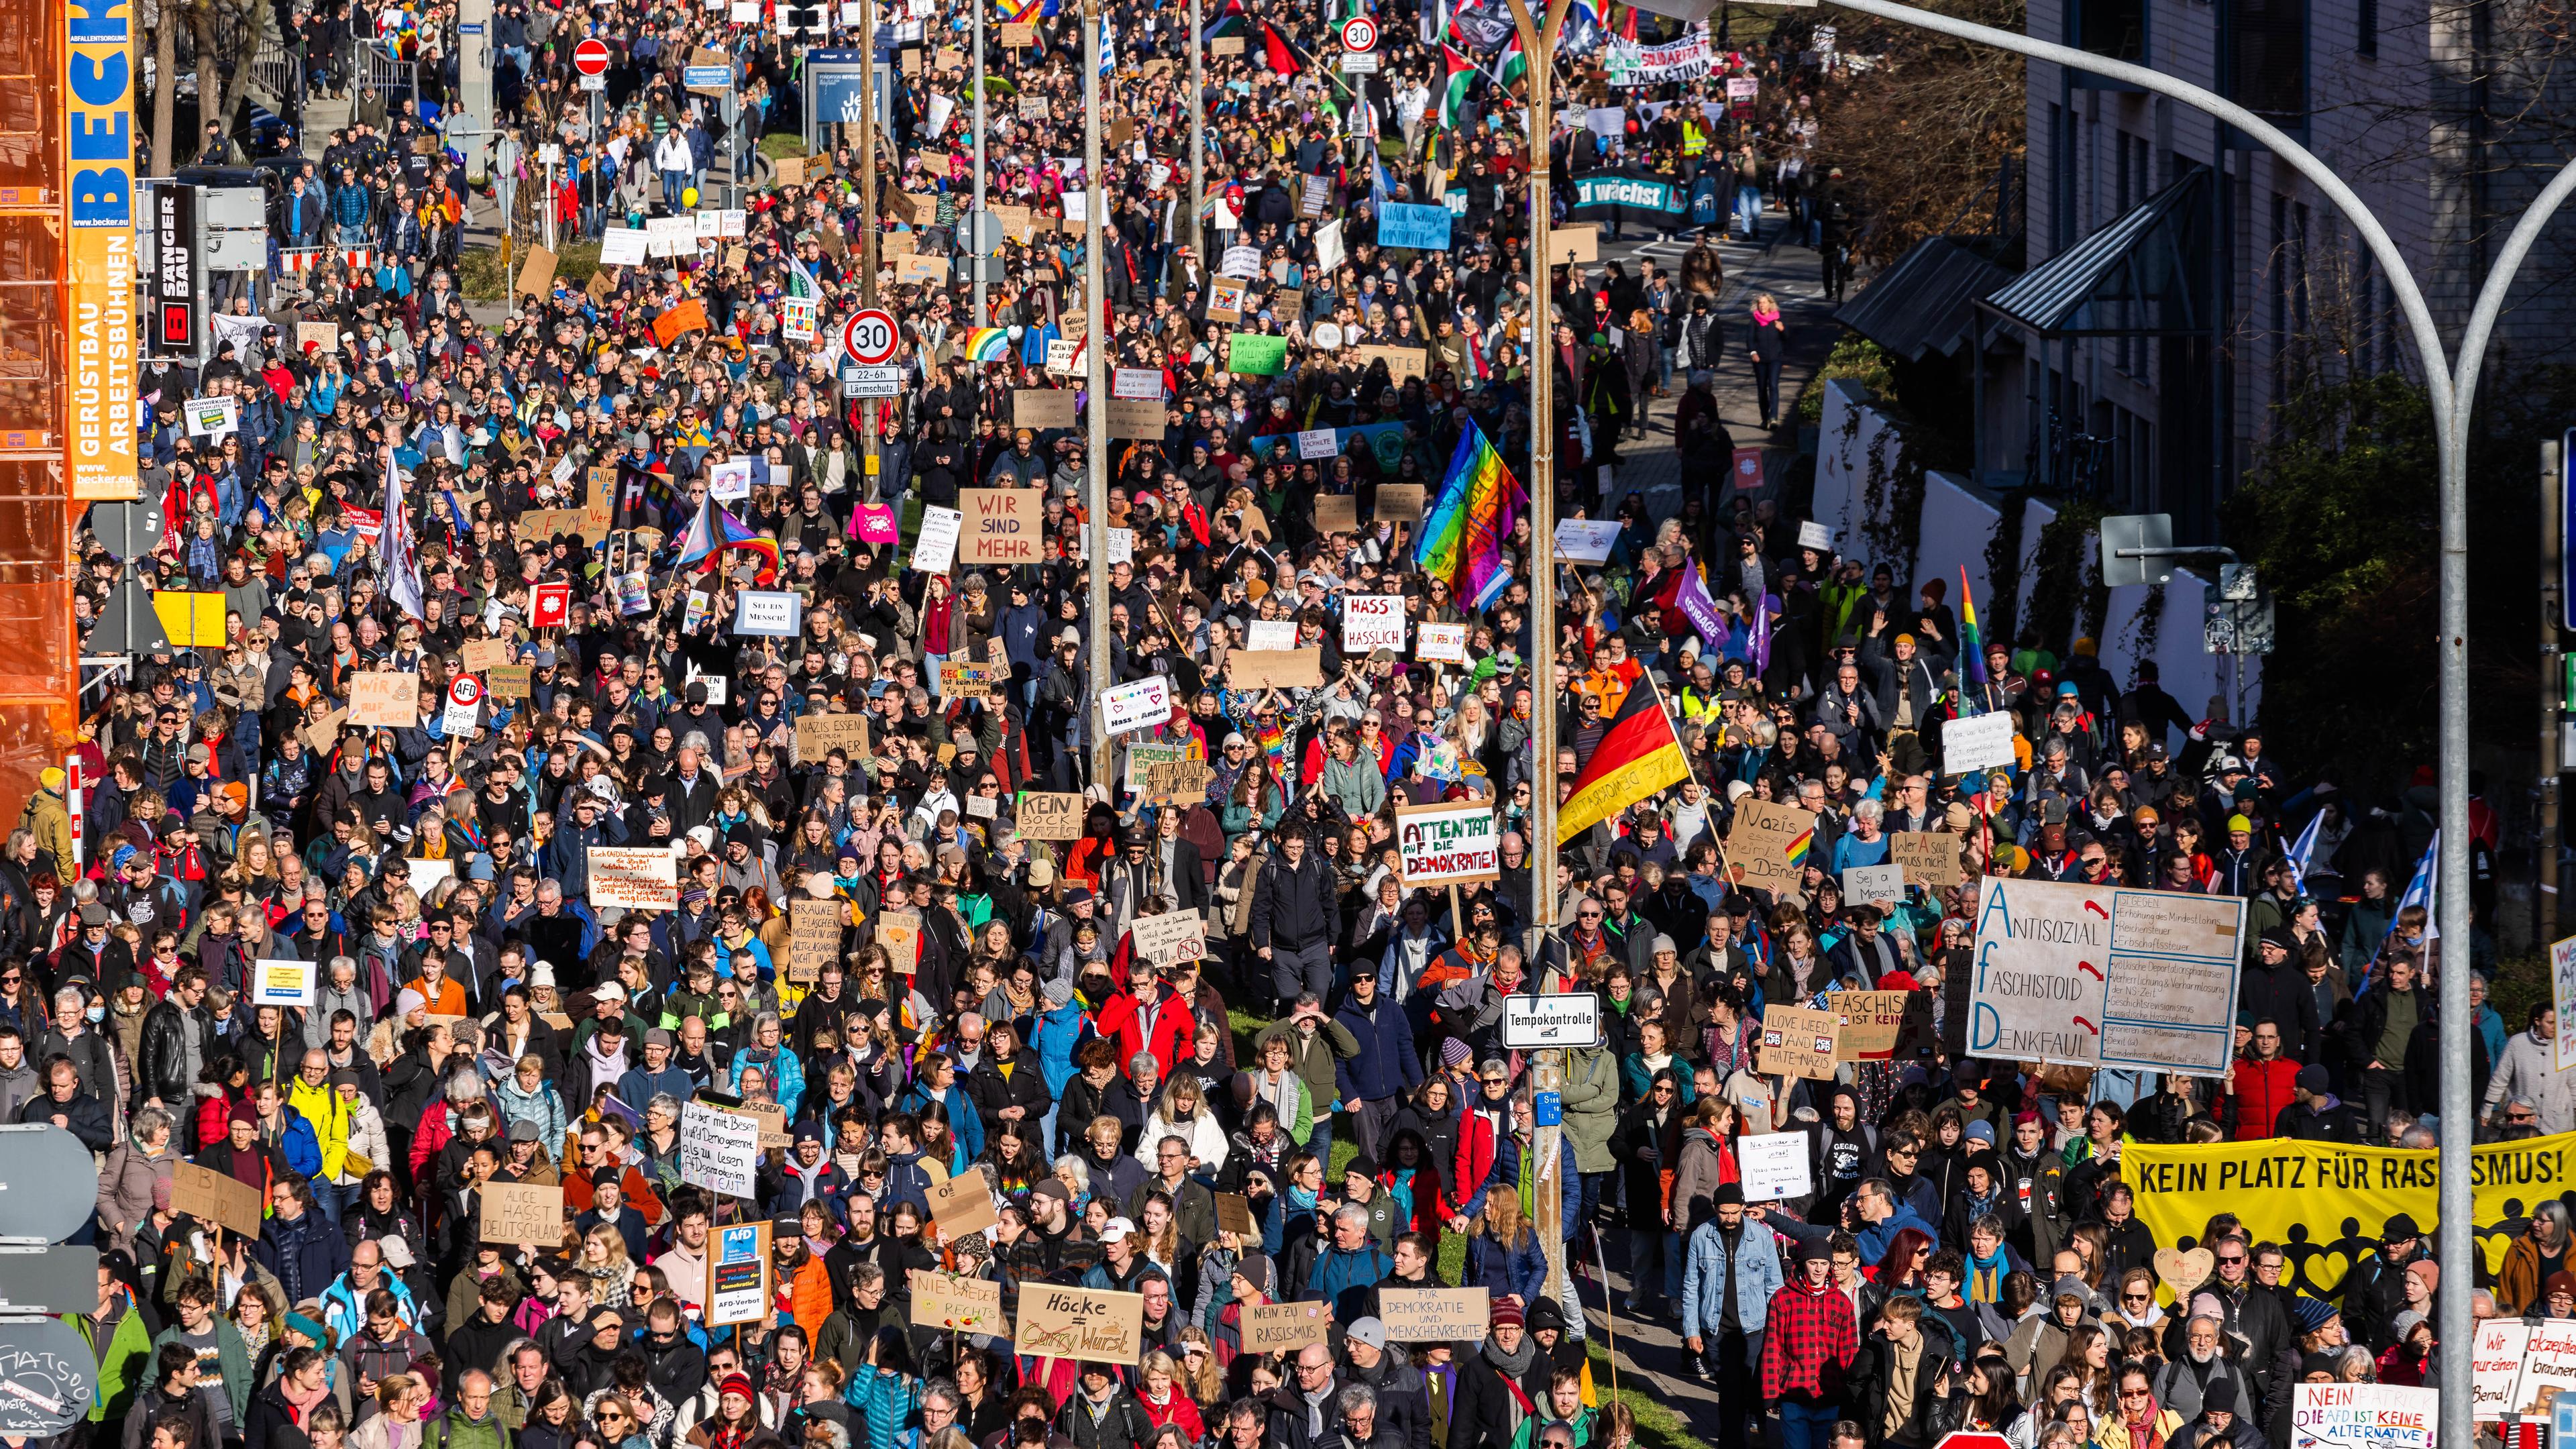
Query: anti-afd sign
1003, 525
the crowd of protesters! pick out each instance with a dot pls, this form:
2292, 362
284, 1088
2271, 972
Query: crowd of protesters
1968, 1257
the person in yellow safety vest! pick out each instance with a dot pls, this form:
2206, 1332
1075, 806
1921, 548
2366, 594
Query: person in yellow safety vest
310, 1094
1694, 140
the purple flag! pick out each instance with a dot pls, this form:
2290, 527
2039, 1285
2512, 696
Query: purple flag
1691, 596
1762, 632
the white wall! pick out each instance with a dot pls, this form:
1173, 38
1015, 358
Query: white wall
1958, 522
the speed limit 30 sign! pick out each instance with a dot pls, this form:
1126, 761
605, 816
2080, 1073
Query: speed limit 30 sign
869, 337
1359, 33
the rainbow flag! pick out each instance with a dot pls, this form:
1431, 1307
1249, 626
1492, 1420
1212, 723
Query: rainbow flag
1797, 851
1969, 647
988, 344
1021, 12
1462, 538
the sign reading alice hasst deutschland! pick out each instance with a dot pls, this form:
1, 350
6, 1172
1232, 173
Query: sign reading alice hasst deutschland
1637, 200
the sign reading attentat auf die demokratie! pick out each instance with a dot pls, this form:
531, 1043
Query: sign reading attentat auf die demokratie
1449, 844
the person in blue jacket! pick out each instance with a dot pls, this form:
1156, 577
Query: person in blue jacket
1728, 1251
1387, 1068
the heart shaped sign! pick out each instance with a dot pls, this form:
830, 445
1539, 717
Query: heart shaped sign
2181, 1272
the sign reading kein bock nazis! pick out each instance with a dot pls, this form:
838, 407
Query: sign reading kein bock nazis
646, 880
1092, 1323
2102, 977
1533, 1023
1450, 844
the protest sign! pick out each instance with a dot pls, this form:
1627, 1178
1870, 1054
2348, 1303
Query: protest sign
1225, 299
1586, 540
963, 1204
1435, 1315
1080, 1323
1401, 362
2495, 1369
1798, 1041
1130, 418
388, 700
900, 933
1003, 525
1253, 354
739, 1285
1398, 503
322, 736
216, 1197
1930, 858
1177, 780
719, 1150
1456, 843
1774, 1166
768, 614
1424, 228
1233, 1214
1979, 742
961, 679
1274, 669
323, 335
1878, 1025
1372, 621
478, 655
1336, 512
1170, 938
1042, 407
1140, 705
2548, 1365
818, 735
814, 936
2350, 1416
282, 983
934, 549
1769, 844
637, 879
520, 1212
1285, 1327
1441, 643
510, 681
965, 1305
1050, 815
2562, 986
2105, 977
1873, 885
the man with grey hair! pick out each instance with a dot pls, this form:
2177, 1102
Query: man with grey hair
1358, 1403
1345, 1272
1301, 1409
691, 788
2183, 1383
1399, 1390
75, 1035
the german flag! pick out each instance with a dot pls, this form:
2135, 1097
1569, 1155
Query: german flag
1638, 755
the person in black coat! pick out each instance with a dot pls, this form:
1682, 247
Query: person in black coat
994, 1090
1104, 1414
271, 1420
2275, 988
299, 1245
1897, 1346
65, 1105
1480, 1416
479, 1340
2318, 1115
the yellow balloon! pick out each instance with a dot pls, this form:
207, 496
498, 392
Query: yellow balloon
689, 196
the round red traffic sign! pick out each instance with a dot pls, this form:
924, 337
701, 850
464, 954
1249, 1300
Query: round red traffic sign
465, 691
1359, 33
869, 337
591, 57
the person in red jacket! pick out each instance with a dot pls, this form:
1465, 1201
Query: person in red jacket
2261, 1083
1808, 1339
1148, 1017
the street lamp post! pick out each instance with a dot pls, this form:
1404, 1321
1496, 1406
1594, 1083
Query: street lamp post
2453, 387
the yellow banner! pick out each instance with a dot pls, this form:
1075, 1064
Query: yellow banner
98, 104
2325, 1203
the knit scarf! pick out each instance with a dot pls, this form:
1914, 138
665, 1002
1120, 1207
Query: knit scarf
1986, 1275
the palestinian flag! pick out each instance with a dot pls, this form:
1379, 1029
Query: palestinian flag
1638, 755
1515, 61
1230, 22
1453, 95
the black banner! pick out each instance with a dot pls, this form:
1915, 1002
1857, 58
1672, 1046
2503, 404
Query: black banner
1630, 199
177, 310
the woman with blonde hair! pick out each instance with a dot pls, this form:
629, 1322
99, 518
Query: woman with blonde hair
400, 1397
1201, 1377
1504, 1256
603, 1260
1161, 1395
1182, 1111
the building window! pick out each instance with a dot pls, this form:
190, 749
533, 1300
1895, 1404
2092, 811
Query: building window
2269, 59
2366, 23
2113, 28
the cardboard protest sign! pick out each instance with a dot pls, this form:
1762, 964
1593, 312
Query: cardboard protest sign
480, 654
1283, 1327
216, 1197
509, 681
1401, 362
324, 335
1003, 525
1225, 299
818, 735
966, 679
1133, 418
388, 700
1398, 503
520, 1212
322, 736
537, 278
1435, 1315
1050, 815
1082, 1323
1042, 407
1336, 513
1233, 1214
1274, 669
1930, 857
1799, 1042
1170, 938
1879, 1025
1769, 844
963, 1204
966, 1305
1177, 780
814, 937
900, 933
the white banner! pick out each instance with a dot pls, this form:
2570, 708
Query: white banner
935, 549
1631, 64
719, 1150
1373, 621
2105, 977
1774, 1165
1140, 705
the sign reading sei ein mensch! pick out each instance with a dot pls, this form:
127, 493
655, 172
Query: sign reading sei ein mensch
1537, 1023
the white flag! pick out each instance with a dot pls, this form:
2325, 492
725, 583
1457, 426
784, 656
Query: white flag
402, 558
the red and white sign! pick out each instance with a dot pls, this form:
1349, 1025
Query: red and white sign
552, 606
464, 696
1359, 33
869, 337
590, 57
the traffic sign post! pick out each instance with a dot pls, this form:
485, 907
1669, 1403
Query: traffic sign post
590, 63
1359, 33
869, 337
1545, 1023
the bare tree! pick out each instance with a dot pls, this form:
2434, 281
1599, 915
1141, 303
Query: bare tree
1926, 127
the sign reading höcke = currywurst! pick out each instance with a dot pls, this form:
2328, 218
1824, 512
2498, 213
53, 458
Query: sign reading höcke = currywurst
1082, 1323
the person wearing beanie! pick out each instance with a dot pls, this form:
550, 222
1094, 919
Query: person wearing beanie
1504, 1373
1730, 1274
2375, 1290
2318, 1115
2273, 986
1809, 1339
